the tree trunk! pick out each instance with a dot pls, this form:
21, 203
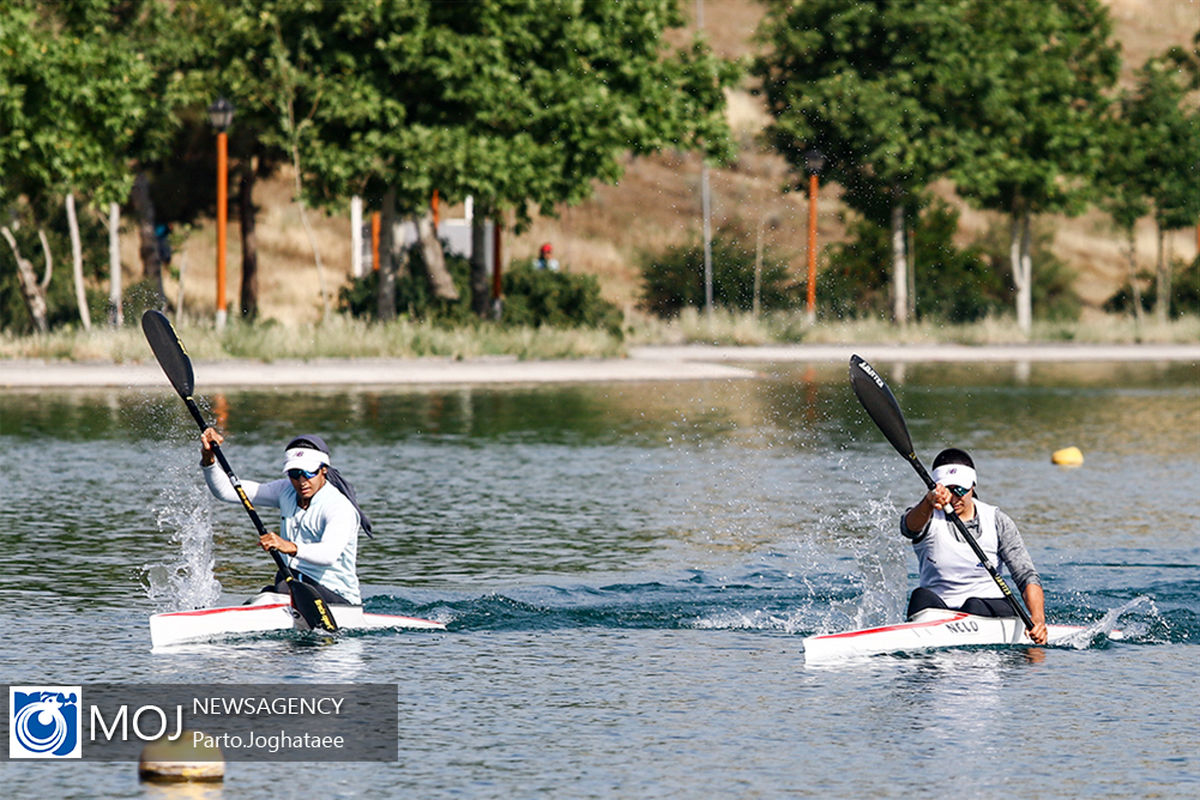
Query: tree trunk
440, 282
31, 291
143, 206
49, 259
899, 267
116, 314
248, 301
1162, 299
1022, 269
479, 266
910, 243
85, 316
387, 259
1134, 286
1025, 316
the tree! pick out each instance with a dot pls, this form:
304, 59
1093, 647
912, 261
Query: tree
78, 107
1031, 121
872, 86
1153, 155
519, 104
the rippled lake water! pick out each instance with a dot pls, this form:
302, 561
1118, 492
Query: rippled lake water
627, 573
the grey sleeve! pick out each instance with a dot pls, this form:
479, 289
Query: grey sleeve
1013, 552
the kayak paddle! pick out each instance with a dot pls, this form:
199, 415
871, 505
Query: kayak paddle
881, 405
178, 367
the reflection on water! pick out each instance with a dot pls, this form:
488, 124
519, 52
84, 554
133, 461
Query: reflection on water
626, 572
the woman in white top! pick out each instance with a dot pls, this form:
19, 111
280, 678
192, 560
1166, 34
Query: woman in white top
950, 571
319, 516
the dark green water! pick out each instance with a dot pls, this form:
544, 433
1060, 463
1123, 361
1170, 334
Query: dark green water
627, 571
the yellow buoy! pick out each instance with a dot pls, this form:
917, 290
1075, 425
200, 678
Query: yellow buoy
181, 760
1067, 457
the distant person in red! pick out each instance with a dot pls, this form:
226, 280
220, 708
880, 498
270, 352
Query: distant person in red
545, 260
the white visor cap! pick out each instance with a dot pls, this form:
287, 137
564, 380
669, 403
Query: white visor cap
954, 475
304, 458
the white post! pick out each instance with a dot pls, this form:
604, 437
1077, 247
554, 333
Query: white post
356, 243
117, 314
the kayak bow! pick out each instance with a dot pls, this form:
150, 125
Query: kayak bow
929, 629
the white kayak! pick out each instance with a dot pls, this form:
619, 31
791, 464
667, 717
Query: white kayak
265, 612
933, 628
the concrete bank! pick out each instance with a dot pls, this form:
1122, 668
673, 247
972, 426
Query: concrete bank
657, 363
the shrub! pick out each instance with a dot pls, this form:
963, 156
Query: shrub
674, 280
413, 298
558, 299
1185, 288
952, 284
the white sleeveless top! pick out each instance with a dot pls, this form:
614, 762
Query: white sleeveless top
949, 567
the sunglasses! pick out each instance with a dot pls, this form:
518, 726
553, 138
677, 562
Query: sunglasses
297, 474
959, 491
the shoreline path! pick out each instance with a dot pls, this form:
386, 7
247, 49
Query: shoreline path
653, 363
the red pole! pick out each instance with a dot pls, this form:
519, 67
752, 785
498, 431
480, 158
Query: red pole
812, 246
222, 213
435, 205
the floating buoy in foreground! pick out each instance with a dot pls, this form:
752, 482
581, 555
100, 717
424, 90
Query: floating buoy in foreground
180, 761
1067, 457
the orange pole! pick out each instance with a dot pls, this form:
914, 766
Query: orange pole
376, 227
812, 246
435, 205
222, 214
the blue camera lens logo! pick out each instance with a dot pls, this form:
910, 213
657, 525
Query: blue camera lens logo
44, 721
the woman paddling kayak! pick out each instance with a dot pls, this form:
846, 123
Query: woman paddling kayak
319, 516
950, 572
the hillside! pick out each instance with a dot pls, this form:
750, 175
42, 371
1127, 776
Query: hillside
657, 203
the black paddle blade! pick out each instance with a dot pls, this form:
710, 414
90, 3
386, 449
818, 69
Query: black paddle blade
169, 351
311, 606
881, 404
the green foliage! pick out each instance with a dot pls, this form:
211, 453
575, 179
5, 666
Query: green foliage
61, 306
1185, 288
953, 285
873, 84
1035, 94
1053, 296
517, 104
413, 298
674, 280
535, 298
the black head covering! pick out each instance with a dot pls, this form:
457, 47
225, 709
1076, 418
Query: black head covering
311, 440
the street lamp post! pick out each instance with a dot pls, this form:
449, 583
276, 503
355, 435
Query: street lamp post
814, 161
220, 115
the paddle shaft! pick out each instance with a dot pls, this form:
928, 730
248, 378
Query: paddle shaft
873, 392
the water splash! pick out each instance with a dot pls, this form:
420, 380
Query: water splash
186, 581
1107, 625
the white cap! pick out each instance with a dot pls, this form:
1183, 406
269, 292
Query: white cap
954, 475
304, 458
